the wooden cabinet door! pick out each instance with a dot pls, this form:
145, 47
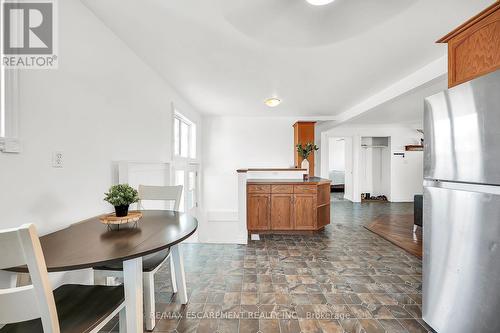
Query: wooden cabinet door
323, 216
258, 211
304, 211
474, 47
281, 211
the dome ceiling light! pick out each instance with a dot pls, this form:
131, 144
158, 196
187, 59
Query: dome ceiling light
272, 102
320, 2
309, 23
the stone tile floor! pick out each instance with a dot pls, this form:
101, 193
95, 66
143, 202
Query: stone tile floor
345, 279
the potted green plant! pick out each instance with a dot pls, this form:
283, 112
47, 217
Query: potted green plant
121, 196
304, 151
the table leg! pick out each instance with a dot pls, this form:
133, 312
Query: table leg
180, 277
132, 278
122, 321
172, 275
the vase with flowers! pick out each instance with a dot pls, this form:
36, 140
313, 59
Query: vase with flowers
304, 152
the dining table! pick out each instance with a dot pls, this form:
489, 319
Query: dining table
90, 243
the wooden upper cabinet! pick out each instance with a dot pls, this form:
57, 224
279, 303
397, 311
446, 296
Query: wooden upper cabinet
258, 211
474, 47
303, 132
282, 212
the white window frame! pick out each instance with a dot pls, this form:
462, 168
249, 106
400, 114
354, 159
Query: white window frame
9, 102
192, 138
9, 106
187, 164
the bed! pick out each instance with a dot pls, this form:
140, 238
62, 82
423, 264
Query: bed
338, 180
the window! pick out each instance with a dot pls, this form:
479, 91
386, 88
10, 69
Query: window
2, 102
185, 165
2, 82
8, 103
184, 137
8, 107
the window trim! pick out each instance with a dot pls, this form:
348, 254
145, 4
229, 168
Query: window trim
192, 137
10, 114
9, 102
187, 164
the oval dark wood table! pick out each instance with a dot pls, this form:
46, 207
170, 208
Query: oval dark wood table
89, 244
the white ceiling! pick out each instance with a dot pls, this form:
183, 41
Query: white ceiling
407, 109
226, 56
298, 24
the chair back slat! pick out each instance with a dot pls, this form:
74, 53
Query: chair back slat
164, 193
17, 304
39, 295
11, 250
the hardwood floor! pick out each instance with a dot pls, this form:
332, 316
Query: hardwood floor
398, 229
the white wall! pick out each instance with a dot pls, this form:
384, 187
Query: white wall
337, 154
102, 105
407, 176
336, 160
406, 173
232, 143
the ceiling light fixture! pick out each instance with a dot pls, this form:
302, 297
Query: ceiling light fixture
320, 2
272, 102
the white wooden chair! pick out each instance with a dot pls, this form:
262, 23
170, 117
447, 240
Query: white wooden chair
36, 308
150, 263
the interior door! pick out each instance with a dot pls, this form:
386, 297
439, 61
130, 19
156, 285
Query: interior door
192, 190
187, 176
304, 211
282, 211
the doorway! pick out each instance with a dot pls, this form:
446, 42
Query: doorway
188, 178
187, 175
337, 166
375, 168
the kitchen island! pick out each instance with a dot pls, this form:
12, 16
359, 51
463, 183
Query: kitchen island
287, 205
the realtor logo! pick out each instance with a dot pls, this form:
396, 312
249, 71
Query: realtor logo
28, 34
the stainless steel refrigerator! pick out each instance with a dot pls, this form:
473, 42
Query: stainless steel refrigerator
461, 263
